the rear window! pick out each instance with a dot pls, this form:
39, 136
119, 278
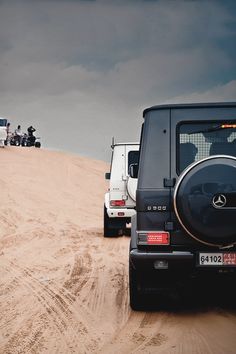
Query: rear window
201, 140
3, 122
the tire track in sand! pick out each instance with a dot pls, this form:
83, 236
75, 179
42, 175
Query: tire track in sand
142, 333
58, 307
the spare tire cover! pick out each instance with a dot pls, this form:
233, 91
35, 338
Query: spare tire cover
205, 200
131, 187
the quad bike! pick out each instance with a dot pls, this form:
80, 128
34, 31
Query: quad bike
30, 140
15, 140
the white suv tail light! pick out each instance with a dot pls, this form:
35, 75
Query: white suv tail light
117, 203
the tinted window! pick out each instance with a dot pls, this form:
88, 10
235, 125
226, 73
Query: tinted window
198, 141
133, 158
3, 122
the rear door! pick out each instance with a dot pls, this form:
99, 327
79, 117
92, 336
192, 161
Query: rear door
195, 136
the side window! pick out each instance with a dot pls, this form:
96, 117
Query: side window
133, 159
3, 122
196, 141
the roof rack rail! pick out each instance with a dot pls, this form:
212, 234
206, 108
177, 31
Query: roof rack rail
113, 142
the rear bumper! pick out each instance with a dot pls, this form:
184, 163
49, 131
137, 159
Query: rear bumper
182, 273
120, 212
141, 259
177, 262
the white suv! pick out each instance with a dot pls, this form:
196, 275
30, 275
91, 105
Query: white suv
120, 200
3, 131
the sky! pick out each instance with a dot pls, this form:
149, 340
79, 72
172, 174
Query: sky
82, 71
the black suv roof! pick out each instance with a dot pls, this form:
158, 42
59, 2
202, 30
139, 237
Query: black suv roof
189, 105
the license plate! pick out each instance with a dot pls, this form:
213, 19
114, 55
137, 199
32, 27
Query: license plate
217, 259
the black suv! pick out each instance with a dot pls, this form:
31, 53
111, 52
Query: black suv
185, 226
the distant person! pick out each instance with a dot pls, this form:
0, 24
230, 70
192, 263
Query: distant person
8, 127
18, 130
31, 131
8, 134
18, 134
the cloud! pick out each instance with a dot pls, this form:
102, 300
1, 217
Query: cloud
219, 93
92, 66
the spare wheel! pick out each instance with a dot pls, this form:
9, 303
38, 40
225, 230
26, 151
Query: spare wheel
205, 200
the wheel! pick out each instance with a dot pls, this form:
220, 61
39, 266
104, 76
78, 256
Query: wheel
37, 144
128, 231
109, 231
136, 298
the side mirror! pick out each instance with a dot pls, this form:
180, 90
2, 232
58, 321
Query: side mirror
107, 175
133, 170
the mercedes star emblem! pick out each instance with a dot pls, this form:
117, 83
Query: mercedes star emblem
219, 201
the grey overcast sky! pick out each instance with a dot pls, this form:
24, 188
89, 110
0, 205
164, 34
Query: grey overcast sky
82, 71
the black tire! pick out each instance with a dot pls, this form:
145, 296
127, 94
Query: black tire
128, 231
109, 231
135, 295
37, 144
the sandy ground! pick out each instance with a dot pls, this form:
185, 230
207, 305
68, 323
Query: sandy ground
63, 287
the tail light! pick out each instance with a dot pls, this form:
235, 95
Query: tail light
117, 203
228, 126
161, 238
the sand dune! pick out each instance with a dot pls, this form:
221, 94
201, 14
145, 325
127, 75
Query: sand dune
63, 287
